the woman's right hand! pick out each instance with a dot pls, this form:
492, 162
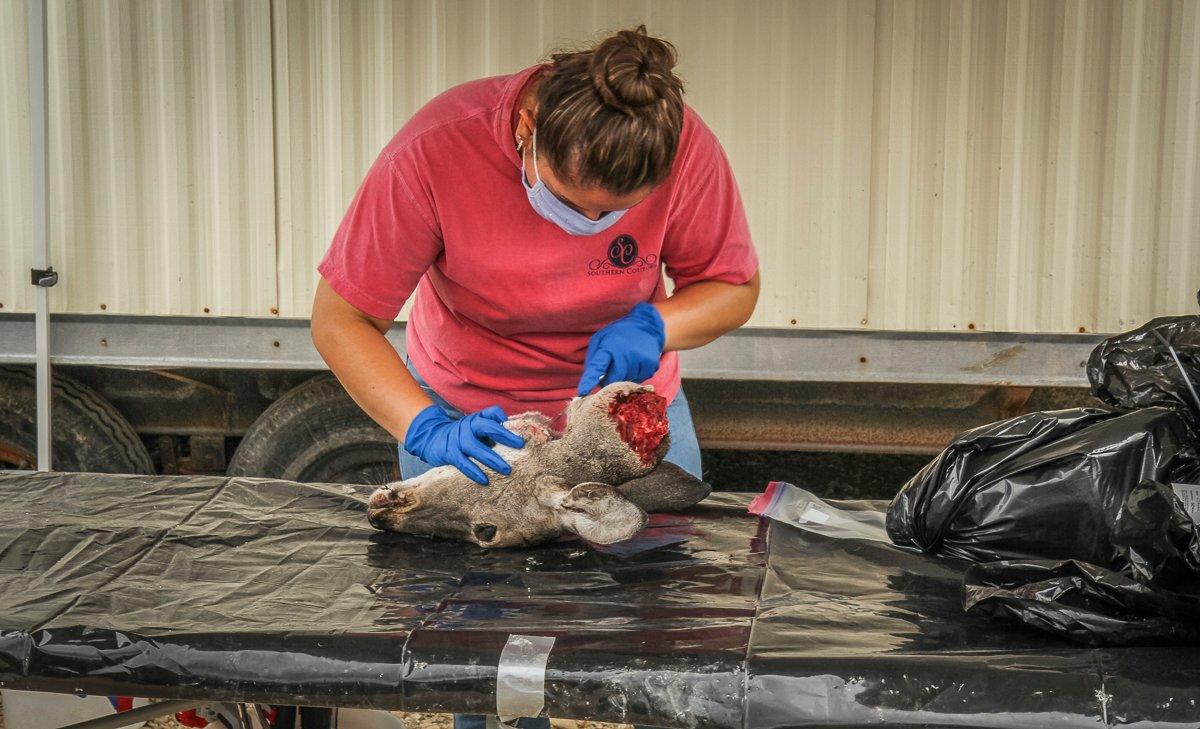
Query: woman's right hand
441, 441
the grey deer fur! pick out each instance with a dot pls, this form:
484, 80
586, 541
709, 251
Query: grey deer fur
588, 482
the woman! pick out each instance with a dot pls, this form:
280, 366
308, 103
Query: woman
533, 215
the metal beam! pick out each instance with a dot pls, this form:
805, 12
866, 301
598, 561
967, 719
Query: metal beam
963, 358
38, 105
167, 342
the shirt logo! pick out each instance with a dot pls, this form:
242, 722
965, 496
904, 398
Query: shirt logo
622, 258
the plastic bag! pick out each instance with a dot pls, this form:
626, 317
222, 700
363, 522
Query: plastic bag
1189, 494
1054, 485
1084, 517
1083, 602
1157, 538
1156, 364
793, 505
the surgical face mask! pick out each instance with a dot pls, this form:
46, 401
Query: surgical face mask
547, 205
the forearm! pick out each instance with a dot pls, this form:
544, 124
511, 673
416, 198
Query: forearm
698, 314
357, 351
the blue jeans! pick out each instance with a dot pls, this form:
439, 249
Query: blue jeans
684, 452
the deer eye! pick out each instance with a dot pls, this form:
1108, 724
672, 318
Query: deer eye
485, 532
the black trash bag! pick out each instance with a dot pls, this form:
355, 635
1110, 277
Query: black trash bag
1156, 364
1052, 485
1158, 539
1083, 602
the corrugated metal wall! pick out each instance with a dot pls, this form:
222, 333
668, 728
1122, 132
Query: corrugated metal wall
1036, 166
1026, 166
161, 164
16, 226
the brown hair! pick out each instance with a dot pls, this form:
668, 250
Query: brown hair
611, 116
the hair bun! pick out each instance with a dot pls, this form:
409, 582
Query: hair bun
631, 70
611, 116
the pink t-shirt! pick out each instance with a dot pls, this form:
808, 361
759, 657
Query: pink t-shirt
506, 301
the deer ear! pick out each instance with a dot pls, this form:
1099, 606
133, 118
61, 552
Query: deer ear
667, 488
598, 513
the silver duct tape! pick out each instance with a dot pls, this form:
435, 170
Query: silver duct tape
521, 676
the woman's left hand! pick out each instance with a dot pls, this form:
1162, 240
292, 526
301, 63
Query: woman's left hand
629, 349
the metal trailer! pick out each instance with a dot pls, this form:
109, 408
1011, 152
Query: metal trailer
950, 202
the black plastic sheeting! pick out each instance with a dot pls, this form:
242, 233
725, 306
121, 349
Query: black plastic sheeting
276, 592
1155, 364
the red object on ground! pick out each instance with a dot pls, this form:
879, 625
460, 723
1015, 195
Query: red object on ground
189, 718
641, 419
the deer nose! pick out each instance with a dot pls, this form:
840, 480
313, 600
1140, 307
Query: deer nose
485, 532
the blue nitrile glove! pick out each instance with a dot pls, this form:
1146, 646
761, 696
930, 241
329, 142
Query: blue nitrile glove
626, 350
439, 441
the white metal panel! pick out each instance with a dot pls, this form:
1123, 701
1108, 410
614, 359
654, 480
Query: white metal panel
16, 224
906, 164
1026, 166
161, 170
1035, 165
1177, 256
787, 87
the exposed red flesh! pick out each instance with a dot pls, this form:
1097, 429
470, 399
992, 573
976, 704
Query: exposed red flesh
641, 419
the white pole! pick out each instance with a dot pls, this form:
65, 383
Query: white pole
38, 103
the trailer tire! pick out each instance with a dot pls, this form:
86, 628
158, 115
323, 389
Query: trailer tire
316, 434
88, 433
